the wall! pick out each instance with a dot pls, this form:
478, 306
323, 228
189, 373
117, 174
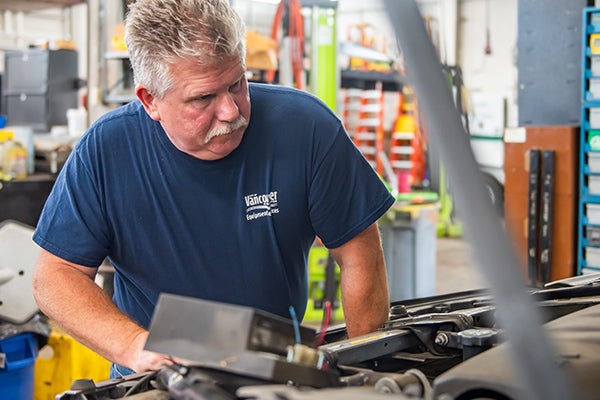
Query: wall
490, 78
20, 30
494, 73
550, 50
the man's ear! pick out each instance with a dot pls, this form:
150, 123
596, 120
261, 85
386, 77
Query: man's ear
148, 101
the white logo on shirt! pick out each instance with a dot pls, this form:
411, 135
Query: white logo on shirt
261, 205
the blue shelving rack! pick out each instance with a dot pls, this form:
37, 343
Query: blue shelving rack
589, 156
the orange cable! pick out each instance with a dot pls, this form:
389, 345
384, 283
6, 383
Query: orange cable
295, 31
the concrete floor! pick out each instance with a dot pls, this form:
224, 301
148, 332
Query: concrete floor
455, 269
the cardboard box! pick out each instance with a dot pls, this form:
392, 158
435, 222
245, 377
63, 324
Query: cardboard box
261, 52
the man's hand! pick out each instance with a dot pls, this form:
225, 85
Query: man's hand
144, 360
67, 294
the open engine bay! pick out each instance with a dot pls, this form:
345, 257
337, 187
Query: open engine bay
442, 347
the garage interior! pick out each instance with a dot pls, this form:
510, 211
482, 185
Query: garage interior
523, 78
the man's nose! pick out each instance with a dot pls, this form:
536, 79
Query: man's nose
227, 109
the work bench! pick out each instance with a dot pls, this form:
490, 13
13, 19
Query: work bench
23, 199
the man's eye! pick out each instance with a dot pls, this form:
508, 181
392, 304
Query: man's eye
203, 98
236, 86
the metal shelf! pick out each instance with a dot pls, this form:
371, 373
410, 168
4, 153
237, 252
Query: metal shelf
119, 98
116, 55
116, 76
392, 81
587, 102
36, 5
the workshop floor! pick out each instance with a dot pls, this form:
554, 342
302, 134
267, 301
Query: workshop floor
455, 269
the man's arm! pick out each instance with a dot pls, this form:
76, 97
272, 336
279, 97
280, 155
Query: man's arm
67, 294
365, 296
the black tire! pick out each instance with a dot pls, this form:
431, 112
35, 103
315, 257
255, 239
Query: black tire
495, 191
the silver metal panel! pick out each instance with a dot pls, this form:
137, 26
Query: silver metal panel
549, 61
198, 329
18, 255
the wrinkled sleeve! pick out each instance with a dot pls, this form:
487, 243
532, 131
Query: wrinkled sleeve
73, 224
346, 195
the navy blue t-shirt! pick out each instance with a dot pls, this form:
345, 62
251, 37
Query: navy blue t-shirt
236, 230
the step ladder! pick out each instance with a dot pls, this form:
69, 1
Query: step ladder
363, 119
406, 147
351, 107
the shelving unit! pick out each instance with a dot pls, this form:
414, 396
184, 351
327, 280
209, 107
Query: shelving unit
362, 111
35, 5
27, 23
589, 174
119, 91
39, 87
116, 77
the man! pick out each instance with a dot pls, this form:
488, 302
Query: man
207, 187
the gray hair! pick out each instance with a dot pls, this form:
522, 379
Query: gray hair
158, 33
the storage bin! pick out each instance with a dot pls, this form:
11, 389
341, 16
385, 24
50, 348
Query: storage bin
594, 185
592, 212
408, 235
28, 110
594, 88
592, 234
592, 256
595, 67
595, 16
64, 360
594, 118
16, 375
594, 162
40, 85
594, 139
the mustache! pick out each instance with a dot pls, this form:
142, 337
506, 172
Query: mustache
226, 128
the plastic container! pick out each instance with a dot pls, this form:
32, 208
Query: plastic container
408, 234
594, 139
5, 136
595, 66
76, 122
595, 118
14, 160
24, 135
592, 212
594, 86
64, 360
592, 234
594, 185
16, 377
594, 162
592, 256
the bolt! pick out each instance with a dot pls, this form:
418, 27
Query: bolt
441, 339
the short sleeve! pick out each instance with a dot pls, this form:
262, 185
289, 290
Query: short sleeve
346, 195
72, 224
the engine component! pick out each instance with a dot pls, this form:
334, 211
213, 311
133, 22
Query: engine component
240, 340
